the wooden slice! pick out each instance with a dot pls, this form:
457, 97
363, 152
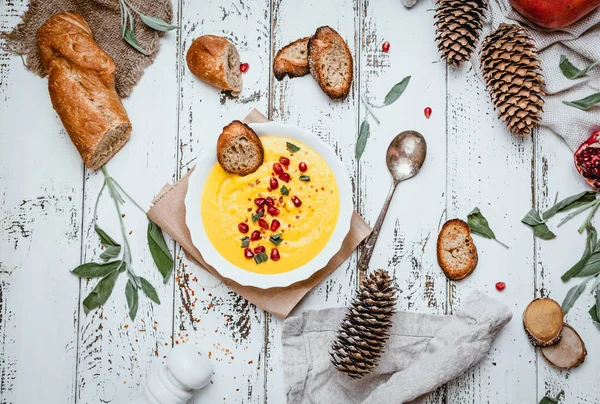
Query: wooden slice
543, 322
570, 352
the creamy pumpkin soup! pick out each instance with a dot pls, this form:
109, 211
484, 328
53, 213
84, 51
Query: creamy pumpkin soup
277, 218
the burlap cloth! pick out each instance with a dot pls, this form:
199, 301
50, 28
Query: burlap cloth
104, 18
580, 42
168, 211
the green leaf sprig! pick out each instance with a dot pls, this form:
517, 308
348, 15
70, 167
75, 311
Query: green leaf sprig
586, 103
571, 72
479, 225
109, 271
588, 266
128, 25
365, 130
555, 400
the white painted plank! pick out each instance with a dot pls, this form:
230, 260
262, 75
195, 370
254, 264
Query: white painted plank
556, 173
40, 219
116, 354
491, 169
223, 323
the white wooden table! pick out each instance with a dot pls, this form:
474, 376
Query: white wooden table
51, 352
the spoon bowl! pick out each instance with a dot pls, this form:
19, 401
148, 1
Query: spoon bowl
406, 155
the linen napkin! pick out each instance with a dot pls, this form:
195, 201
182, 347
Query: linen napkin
580, 42
168, 212
424, 352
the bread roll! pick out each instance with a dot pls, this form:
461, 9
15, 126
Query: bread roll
81, 83
456, 252
292, 60
216, 61
239, 150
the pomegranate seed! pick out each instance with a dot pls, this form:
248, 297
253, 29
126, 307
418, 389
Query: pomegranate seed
243, 228
500, 286
269, 201
285, 177
278, 168
248, 253
275, 225
302, 166
259, 249
244, 67
255, 235
427, 112
263, 223
385, 47
275, 254
260, 210
273, 211
273, 183
259, 201
285, 161
297, 202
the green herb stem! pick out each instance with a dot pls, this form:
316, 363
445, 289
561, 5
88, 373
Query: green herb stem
577, 212
589, 217
98, 201
369, 110
501, 243
128, 196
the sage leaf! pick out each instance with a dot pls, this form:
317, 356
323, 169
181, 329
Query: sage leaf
396, 91
590, 248
157, 23
95, 270
130, 38
586, 103
479, 225
572, 295
276, 239
257, 215
572, 202
105, 239
131, 294
595, 314
101, 292
284, 190
160, 252
591, 266
260, 258
292, 148
575, 269
245, 242
597, 303
305, 178
149, 290
363, 136
110, 253
538, 225
571, 72
550, 400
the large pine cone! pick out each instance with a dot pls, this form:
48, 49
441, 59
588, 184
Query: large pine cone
512, 74
364, 332
587, 160
458, 25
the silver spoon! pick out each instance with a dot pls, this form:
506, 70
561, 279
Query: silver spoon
405, 157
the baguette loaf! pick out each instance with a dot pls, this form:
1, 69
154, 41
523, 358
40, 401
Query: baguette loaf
216, 61
81, 83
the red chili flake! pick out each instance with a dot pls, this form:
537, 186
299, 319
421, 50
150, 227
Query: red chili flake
500, 286
244, 67
385, 47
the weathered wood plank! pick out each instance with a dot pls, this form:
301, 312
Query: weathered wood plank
225, 325
116, 355
491, 169
301, 102
555, 173
40, 219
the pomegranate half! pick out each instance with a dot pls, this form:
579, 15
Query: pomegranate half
587, 160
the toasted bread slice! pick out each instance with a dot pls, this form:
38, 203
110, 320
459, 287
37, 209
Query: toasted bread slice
239, 150
292, 60
456, 252
330, 62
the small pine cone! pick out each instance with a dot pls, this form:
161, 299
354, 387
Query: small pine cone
458, 25
361, 339
512, 73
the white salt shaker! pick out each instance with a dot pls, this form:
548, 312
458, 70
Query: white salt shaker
186, 369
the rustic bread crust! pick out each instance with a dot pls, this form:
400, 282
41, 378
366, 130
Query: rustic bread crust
285, 64
231, 136
81, 83
216, 61
454, 236
325, 42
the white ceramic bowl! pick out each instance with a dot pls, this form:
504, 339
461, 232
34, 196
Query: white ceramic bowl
200, 239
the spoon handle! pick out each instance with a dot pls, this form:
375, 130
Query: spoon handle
367, 250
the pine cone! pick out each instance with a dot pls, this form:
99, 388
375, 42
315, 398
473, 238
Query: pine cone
512, 73
458, 24
365, 330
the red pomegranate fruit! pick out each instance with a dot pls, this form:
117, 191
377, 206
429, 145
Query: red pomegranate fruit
554, 14
587, 160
